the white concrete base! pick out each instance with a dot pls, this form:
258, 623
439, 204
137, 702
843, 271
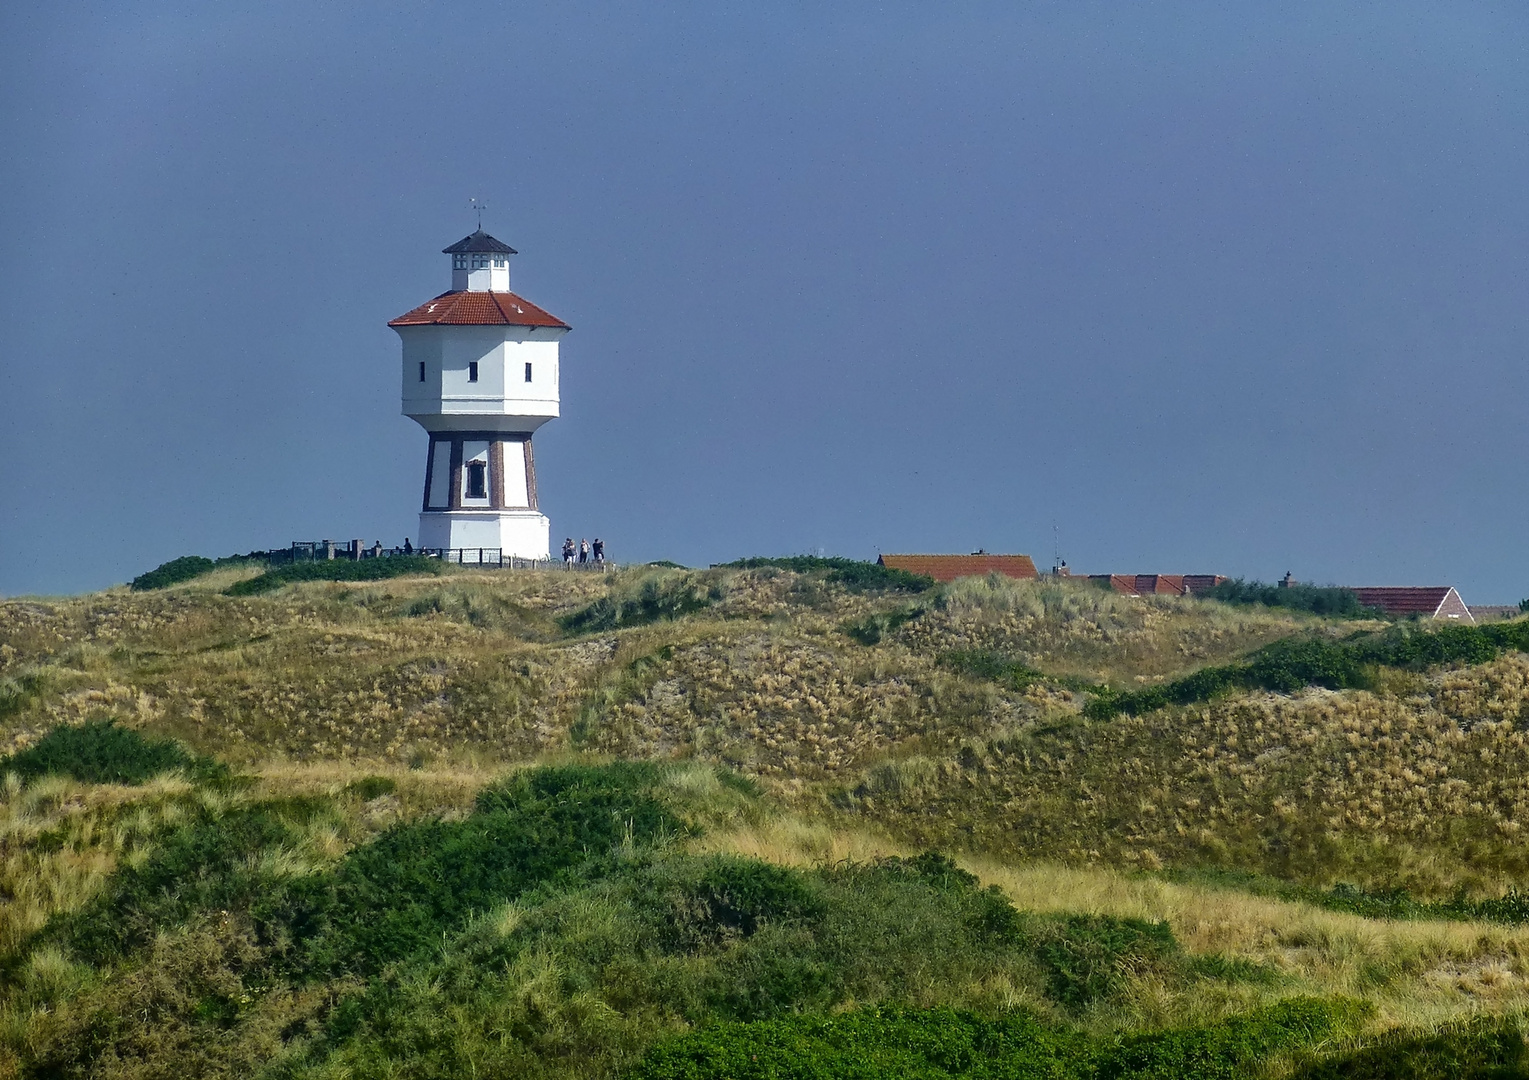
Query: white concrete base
524, 534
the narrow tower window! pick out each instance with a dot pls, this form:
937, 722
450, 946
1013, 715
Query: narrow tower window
477, 480
472, 371
421, 371
528, 373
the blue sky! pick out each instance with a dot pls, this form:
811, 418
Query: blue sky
1198, 287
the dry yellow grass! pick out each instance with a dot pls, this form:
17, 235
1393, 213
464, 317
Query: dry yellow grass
92, 825
1416, 973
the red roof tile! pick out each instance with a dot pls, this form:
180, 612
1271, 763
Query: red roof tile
478, 309
1404, 600
950, 567
1155, 584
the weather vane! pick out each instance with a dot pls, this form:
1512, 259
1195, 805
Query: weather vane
479, 205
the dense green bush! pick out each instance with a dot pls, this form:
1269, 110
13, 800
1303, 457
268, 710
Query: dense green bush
985, 664
554, 923
653, 597
172, 573
1329, 602
372, 787
209, 863
733, 898
853, 574
400, 893
1480, 1048
388, 898
869, 630
1088, 957
935, 1044
101, 752
389, 566
1294, 663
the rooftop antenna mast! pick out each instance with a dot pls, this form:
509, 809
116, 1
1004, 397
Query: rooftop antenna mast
1056, 547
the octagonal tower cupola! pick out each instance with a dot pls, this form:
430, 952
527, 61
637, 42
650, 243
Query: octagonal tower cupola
479, 263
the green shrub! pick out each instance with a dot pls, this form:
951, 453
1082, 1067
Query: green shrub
1087, 957
1227, 1050
869, 630
401, 892
871, 1044
101, 752
943, 1044
1479, 1048
1329, 602
985, 664
210, 863
853, 574
735, 898
656, 596
1294, 663
372, 787
172, 573
389, 566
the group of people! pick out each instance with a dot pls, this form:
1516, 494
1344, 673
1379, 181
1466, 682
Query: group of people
583, 552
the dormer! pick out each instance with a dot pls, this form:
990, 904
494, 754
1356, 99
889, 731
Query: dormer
479, 263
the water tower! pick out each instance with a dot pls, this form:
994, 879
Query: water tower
480, 375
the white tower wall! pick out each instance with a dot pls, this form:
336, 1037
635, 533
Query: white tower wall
501, 398
480, 375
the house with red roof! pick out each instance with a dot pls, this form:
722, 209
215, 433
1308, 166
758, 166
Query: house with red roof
1423, 602
1154, 584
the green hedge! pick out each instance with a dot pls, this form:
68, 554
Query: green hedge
944, 1044
853, 574
172, 573
100, 752
1290, 665
389, 566
1331, 602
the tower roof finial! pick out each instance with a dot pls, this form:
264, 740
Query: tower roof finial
479, 205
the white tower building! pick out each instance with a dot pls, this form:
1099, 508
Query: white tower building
480, 374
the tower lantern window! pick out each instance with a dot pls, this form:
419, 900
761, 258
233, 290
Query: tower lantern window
480, 261
459, 262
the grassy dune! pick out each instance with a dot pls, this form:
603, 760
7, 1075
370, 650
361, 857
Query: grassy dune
1150, 890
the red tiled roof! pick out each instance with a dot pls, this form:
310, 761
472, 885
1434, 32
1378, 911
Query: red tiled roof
950, 567
1160, 584
478, 309
1403, 600
1194, 583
